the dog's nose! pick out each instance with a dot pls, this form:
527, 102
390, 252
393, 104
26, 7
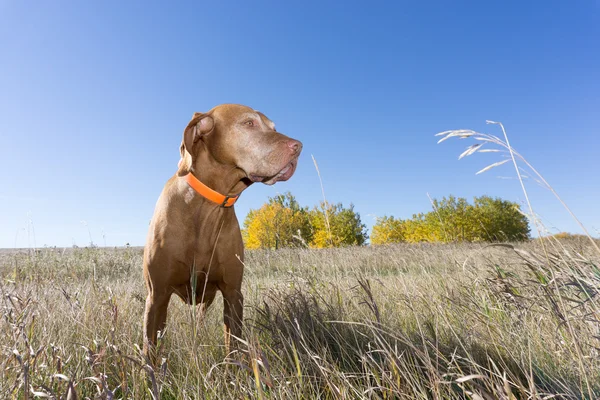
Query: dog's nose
295, 146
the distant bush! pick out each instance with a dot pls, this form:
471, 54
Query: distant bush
567, 235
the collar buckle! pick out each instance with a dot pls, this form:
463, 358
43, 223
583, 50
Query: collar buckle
226, 199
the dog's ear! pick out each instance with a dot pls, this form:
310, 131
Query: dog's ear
200, 125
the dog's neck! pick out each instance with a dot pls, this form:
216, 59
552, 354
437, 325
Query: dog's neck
228, 180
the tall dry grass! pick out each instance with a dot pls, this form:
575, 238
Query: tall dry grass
408, 321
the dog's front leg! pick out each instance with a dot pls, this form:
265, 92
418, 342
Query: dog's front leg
155, 317
233, 313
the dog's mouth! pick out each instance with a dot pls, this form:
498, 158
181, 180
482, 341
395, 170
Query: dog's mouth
283, 175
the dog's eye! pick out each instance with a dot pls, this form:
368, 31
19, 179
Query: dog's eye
249, 123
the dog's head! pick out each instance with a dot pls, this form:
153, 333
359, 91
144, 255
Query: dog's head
239, 137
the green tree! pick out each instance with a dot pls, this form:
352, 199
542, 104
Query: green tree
453, 219
280, 222
335, 226
500, 220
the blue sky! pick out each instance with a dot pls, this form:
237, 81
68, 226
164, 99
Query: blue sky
95, 96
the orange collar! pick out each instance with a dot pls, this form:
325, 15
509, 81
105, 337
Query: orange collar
208, 193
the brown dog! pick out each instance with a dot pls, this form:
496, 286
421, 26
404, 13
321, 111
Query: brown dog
194, 245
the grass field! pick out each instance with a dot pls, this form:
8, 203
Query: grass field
409, 321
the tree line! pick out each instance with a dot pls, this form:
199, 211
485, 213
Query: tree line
282, 222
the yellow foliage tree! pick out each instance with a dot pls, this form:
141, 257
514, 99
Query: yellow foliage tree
281, 222
388, 230
422, 228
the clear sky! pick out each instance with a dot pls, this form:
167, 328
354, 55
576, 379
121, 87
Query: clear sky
94, 96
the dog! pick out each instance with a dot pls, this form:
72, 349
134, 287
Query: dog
194, 246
